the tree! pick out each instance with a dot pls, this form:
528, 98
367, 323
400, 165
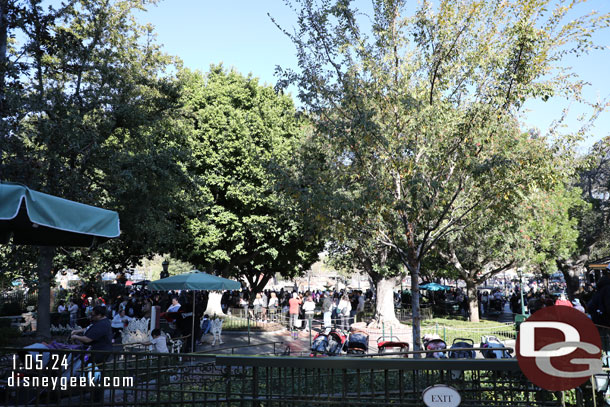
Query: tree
567, 227
86, 119
593, 178
379, 262
421, 112
242, 135
479, 252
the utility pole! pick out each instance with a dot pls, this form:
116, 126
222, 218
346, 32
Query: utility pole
309, 280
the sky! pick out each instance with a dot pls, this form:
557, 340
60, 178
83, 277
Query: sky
240, 34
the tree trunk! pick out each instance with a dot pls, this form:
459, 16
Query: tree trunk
473, 302
384, 308
572, 284
571, 271
214, 307
45, 263
416, 313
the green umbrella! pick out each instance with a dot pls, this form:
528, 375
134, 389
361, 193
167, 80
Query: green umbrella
36, 218
196, 281
434, 287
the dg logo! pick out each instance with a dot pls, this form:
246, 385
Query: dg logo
559, 348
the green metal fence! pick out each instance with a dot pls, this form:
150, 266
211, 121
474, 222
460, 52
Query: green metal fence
144, 379
504, 332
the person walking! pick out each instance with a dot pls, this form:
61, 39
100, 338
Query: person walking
345, 308
258, 306
360, 308
309, 307
265, 305
327, 305
273, 305
73, 310
293, 310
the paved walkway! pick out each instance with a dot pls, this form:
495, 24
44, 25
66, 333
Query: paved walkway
260, 343
505, 316
298, 343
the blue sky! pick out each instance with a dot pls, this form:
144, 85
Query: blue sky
239, 34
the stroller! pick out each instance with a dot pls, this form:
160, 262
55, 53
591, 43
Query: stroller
490, 342
602, 381
357, 343
329, 342
394, 344
462, 343
466, 352
435, 343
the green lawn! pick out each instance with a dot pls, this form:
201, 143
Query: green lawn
459, 322
449, 329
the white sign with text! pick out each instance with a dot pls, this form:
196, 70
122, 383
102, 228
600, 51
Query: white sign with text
441, 395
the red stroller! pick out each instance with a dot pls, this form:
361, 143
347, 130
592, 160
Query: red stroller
394, 344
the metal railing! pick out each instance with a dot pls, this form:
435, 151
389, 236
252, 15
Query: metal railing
502, 331
267, 348
405, 314
144, 379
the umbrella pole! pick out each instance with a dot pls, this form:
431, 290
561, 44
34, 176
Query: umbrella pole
193, 331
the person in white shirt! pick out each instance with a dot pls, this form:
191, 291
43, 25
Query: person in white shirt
64, 316
273, 305
258, 306
158, 342
175, 305
308, 307
119, 321
345, 307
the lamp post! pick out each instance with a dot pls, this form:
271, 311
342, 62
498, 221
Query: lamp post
165, 272
309, 280
521, 291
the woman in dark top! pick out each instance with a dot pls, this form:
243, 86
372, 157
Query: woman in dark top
98, 335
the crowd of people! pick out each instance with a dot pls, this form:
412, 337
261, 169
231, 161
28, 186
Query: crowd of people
340, 308
326, 308
587, 299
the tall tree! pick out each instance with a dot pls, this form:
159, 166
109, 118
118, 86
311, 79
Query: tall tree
88, 100
480, 251
593, 178
242, 136
422, 109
